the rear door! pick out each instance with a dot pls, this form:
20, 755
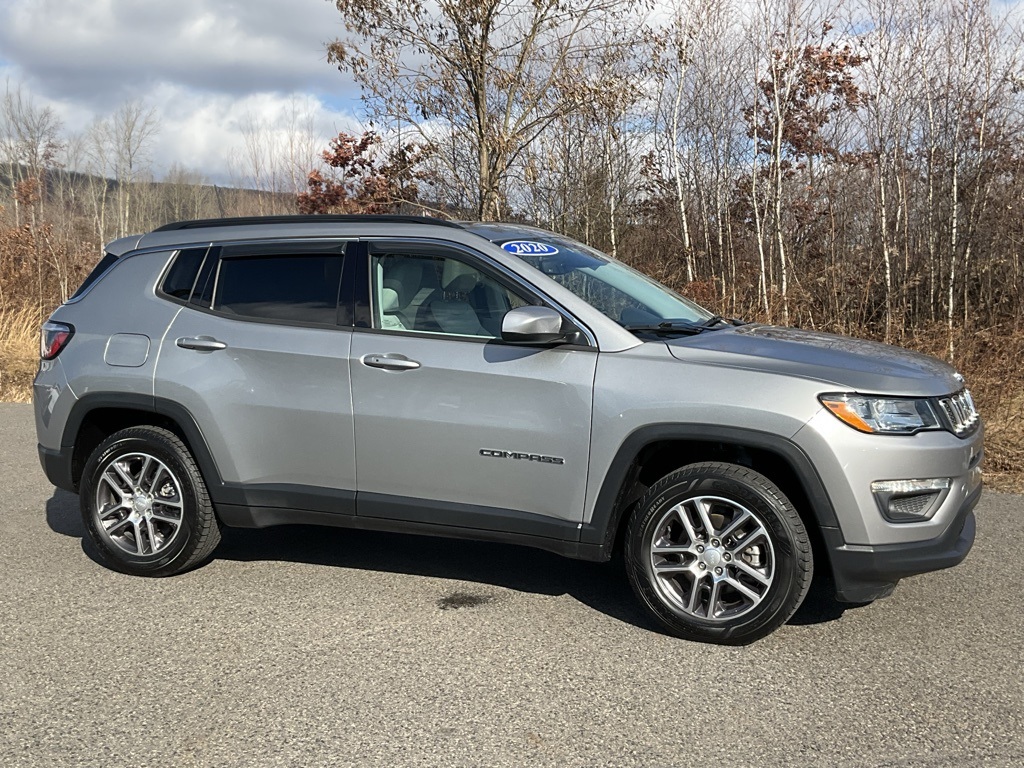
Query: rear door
259, 354
452, 425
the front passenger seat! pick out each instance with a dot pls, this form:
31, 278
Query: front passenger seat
449, 310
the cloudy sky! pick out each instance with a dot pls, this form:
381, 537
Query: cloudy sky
206, 66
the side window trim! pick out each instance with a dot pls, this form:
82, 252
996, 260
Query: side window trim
343, 311
202, 300
360, 288
216, 281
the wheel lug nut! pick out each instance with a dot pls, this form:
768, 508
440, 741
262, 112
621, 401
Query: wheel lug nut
714, 542
718, 571
702, 566
700, 547
727, 557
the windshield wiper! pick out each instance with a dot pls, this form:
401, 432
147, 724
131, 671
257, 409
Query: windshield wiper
667, 328
715, 320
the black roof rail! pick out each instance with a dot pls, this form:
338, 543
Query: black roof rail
320, 218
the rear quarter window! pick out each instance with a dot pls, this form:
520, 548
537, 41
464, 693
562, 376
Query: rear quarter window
181, 277
97, 272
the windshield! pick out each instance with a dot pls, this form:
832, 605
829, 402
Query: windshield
626, 296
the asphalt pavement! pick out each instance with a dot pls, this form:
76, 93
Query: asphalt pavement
320, 647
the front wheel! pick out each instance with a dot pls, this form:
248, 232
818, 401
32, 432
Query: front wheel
145, 505
717, 554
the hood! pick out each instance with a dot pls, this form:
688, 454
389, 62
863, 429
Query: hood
848, 364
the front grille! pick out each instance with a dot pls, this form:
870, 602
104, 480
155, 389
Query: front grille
960, 413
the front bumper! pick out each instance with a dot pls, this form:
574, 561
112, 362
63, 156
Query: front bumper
869, 553
863, 573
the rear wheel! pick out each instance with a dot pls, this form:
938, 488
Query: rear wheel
718, 554
145, 505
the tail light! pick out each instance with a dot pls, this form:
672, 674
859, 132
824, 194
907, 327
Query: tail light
53, 338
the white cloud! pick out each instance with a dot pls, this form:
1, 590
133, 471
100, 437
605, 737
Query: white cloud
100, 49
207, 132
207, 66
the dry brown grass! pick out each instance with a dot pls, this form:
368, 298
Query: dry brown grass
19, 352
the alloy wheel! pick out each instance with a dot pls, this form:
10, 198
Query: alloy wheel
139, 504
712, 558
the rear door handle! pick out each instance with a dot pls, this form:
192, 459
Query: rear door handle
389, 362
201, 343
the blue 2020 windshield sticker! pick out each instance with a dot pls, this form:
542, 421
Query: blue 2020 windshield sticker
529, 248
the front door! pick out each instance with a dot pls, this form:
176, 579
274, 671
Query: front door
452, 425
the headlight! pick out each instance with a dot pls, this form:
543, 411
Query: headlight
884, 415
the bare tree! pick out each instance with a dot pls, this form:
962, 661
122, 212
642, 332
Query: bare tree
277, 152
29, 141
186, 195
99, 170
487, 75
133, 128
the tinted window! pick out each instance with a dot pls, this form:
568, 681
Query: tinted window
294, 288
182, 274
106, 262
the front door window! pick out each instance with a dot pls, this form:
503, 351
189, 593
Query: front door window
437, 293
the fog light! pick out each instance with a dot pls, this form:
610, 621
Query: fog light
908, 501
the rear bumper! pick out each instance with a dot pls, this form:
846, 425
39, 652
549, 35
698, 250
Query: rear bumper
57, 467
864, 573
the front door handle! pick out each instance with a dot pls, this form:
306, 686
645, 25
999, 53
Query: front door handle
389, 362
200, 343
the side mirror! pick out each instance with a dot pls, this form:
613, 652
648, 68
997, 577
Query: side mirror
532, 325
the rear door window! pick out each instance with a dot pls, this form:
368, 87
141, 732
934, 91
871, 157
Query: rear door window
293, 286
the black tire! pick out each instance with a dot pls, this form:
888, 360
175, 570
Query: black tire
752, 598
187, 531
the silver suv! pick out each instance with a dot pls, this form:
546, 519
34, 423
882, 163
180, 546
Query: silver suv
495, 382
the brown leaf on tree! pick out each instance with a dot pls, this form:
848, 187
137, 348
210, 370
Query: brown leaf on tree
363, 176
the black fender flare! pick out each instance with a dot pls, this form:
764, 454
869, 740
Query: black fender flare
167, 409
604, 522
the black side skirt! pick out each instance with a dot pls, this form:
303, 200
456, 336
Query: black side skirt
262, 507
